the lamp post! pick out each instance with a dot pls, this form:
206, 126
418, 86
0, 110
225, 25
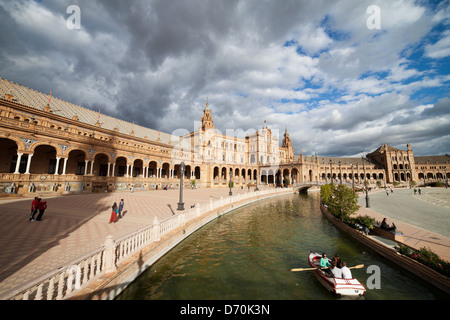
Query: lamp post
446, 178
353, 178
181, 204
340, 173
331, 169
367, 187
231, 175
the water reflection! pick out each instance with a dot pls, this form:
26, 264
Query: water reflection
248, 254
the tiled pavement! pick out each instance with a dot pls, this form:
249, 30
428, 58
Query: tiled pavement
76, 225
73, 226
423, 219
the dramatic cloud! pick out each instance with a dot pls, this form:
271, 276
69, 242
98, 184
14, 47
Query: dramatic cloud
313, 67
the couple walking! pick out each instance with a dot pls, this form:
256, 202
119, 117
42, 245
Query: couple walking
116, 213
36, 205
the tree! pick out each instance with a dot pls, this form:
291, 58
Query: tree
326, 192
341, 200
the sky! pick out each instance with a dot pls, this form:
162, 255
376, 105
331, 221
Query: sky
343, 77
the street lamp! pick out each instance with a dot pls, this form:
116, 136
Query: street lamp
331, 169
181, 204
231, 175
446, 178
353, 178
340, 173
367, 187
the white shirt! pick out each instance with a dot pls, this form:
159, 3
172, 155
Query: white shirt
337, 272
346, 273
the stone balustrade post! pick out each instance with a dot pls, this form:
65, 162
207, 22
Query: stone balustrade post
197, 210
110, 254
156, 229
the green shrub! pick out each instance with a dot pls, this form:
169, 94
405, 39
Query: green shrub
365, 221
426, 257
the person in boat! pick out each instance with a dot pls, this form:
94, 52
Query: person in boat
337, 273
337, 260
324, 262
385, 226
325, 265
346, 272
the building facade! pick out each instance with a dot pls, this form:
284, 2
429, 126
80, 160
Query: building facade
50, 146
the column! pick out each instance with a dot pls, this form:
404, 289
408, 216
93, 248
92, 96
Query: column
29, 163
64, 166
131, 171
57, 166
109, 167
85, 166
92, 167
128, 167
19, 157
113, 169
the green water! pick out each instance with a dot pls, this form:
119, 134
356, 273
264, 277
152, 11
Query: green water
248, 253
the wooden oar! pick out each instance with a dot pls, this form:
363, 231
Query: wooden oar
359, 266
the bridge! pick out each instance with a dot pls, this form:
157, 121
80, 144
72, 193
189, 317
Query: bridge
302, 187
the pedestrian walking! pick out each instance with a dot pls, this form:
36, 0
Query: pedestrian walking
42, 205
114, 212
34, 208
121, 204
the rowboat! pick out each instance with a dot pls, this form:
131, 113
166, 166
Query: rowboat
347, 287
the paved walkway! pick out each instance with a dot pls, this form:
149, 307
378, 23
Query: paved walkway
76, 225
424, 219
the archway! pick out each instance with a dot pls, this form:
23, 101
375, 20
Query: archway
152, 169
8, 156
138, 165
44, 160
121, 167
100, 165
76, 163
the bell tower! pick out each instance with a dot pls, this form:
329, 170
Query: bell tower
207, 120
287, 144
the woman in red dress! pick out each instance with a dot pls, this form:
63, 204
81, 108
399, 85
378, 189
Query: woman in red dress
113, 213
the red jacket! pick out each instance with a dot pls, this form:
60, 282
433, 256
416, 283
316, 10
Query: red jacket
34, 204
42, 205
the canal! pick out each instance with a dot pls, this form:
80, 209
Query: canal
247, 254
